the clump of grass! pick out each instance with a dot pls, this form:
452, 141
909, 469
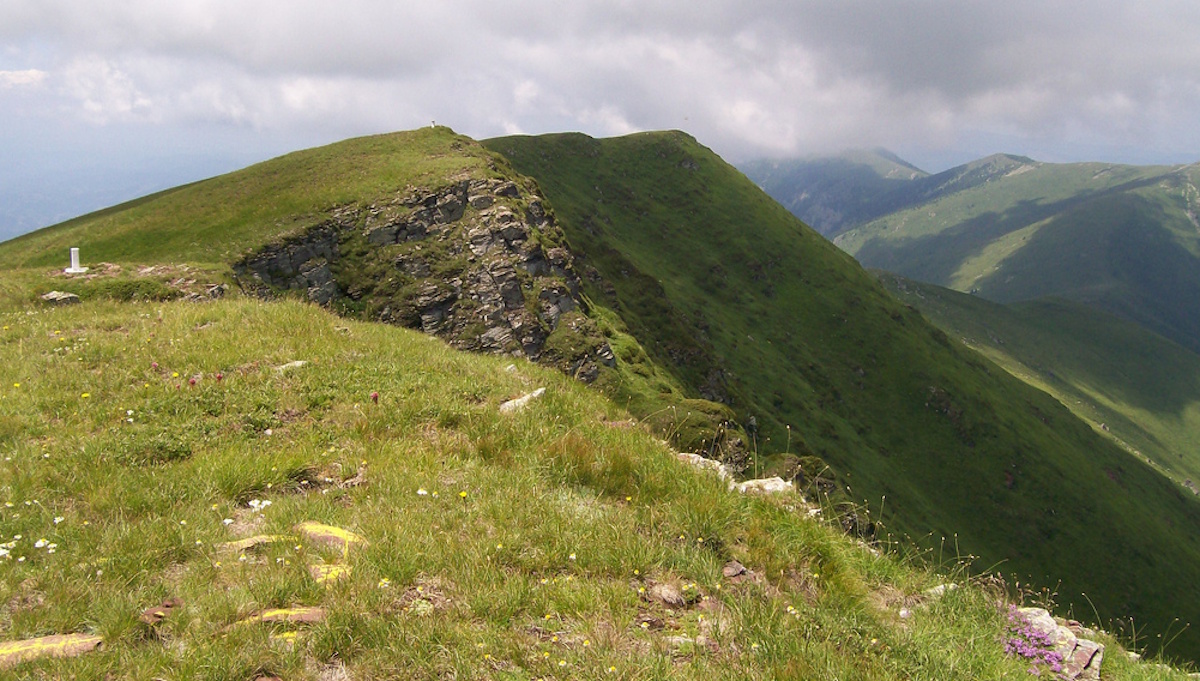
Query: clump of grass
529, 545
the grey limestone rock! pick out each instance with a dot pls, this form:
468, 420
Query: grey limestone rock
60, 298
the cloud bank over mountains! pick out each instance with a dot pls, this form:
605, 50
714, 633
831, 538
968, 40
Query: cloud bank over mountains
221, 83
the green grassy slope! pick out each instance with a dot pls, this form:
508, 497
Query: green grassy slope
1141, 388
217, 220
139, 439
1122, 239
766, 315
829, 364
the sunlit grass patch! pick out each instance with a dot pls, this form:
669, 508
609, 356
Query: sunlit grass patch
542, 544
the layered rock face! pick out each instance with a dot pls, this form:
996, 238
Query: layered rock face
298, 264
477, 262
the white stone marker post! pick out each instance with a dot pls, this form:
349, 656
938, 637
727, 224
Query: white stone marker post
75, 268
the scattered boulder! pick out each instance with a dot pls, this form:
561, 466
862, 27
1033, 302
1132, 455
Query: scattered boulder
940, 590
520, 403
334, 537
328, 574
154, 616
733, 569
698, 461
243, 545
773, 485
1081, 658
667, 594
298, 615
60, 298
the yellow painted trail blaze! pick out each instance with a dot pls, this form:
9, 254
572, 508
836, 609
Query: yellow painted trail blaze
59, 645
300, 614
328, 574
329, 535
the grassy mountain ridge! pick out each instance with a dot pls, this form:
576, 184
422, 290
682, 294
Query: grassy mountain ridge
540, 544
828, 364
1122, 239
728, 297
217, 220
432, 279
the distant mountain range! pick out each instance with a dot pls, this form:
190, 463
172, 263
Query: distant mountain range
1122, 239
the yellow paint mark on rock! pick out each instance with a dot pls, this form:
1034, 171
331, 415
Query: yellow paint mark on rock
303, 614
329, 535
288, 638
158, 613
59, 645
252, 542
323, 573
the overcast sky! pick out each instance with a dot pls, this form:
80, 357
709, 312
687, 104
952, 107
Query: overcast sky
105, 101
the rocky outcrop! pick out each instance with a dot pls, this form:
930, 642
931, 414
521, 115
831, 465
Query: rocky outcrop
302, 263
478, 262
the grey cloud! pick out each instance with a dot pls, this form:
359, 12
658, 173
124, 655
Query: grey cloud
753, 77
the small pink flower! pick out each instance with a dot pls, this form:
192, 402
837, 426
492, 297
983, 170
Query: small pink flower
375, 397
191, 381
219, 376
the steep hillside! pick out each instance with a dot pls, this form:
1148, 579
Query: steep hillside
709, 302
1141, 389
1122, 239
827, 363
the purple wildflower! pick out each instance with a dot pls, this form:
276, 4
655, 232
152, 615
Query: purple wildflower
1031, 644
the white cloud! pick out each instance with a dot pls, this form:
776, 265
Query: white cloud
104, 91
28, 77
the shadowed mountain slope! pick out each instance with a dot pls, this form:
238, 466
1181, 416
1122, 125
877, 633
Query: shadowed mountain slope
1141, 389
828, 364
